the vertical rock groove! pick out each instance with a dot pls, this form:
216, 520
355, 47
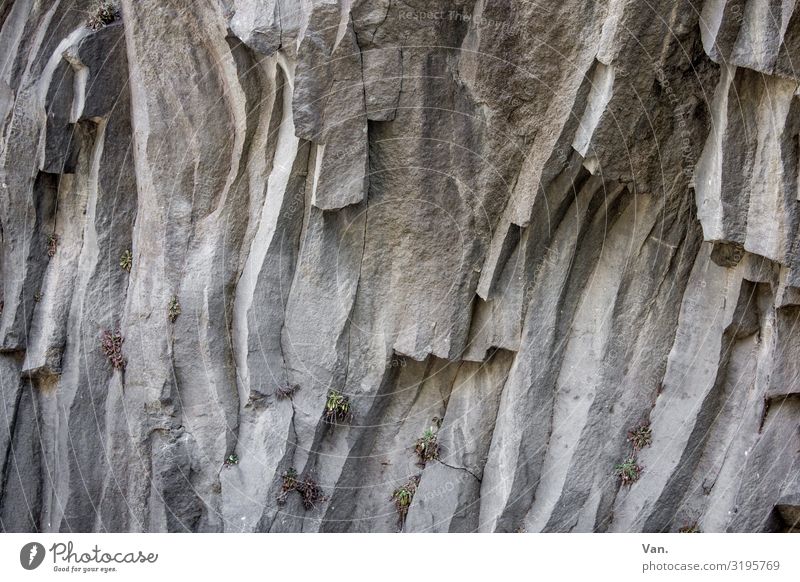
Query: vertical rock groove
520, 230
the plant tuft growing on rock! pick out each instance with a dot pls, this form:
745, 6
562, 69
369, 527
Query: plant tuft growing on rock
289, 484
427, 447
640, 436
232, 459
285, 391
337, 408
52, 245
402, 497
103, 14
310, 492
37, 297
628, 471
174, 309
111, 343
126, 260
690, 528
308, 489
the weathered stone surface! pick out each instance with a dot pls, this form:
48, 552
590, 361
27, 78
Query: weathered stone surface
528, 227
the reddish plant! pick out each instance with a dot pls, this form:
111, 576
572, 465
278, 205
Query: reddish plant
111, 342
640, 436
309, 491
52, 245
285, 391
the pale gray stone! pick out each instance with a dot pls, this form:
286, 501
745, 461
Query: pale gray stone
527, 227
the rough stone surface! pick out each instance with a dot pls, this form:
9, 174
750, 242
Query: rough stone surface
526, 226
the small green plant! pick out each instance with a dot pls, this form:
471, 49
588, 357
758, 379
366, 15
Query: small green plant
285, 391
427, 447
628, 471
309, 491
402, 497
37, 297
111, 343
52, 245
126, 260
337, 408
103, 14
232, 459
640, 436
690, 528
174, 309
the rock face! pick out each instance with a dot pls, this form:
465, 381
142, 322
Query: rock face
527, 227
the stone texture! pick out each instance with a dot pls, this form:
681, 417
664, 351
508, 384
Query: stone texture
527, 226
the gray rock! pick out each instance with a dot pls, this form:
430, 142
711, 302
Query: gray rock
528, 227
